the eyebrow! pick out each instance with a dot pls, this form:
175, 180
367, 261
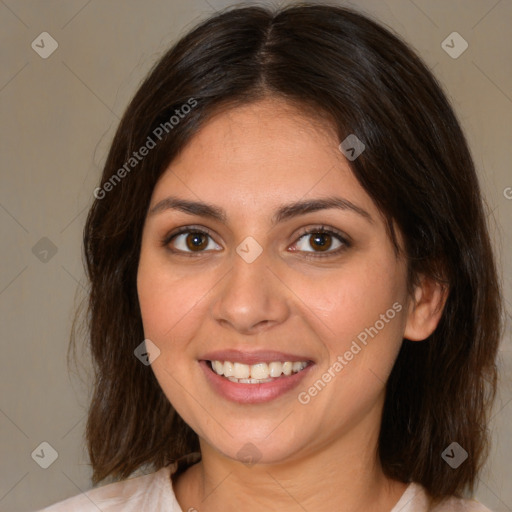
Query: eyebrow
283, 213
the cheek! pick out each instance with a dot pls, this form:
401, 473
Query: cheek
362, 322
172, 303
362, 318
353, 297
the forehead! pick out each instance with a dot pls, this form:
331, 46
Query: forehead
264, 153
265, 129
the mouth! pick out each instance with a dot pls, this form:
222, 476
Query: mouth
255, 377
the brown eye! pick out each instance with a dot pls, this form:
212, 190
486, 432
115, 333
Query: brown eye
320, 241
196, 241
189, 241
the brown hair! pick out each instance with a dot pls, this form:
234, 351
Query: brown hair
336, 63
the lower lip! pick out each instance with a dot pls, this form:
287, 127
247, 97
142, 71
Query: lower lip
253, 393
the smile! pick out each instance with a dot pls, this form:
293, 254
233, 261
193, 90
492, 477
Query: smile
254, 377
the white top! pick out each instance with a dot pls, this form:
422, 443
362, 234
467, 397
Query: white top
153, 493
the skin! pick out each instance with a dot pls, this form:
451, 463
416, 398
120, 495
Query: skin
249, 161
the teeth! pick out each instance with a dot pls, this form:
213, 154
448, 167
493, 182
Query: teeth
229, 369
287, 368
249, 381
259, 371
275, 369
256, 373
296, 367
242, 371
218, 367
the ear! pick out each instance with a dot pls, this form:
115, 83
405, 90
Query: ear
425, 309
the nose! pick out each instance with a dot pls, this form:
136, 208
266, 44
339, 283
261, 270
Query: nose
251, 298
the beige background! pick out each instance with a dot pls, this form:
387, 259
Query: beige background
58, 116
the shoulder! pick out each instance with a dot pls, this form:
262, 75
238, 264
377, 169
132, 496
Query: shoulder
147, 492
415, 499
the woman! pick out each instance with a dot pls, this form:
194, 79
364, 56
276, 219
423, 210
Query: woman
294, 302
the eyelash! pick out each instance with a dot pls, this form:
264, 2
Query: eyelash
308, 254
323, 230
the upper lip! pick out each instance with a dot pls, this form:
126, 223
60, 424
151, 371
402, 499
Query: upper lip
255, 357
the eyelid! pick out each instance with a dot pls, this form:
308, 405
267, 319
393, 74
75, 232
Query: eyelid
322, 228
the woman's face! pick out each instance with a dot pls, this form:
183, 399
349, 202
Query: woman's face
244, 288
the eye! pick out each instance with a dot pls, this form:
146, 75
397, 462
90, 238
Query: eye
321, 240
190, 240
